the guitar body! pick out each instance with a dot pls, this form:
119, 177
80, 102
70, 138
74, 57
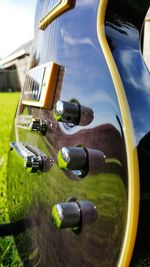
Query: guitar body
126, 50
105, 74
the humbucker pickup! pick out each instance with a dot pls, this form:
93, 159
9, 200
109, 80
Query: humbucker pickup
40, 85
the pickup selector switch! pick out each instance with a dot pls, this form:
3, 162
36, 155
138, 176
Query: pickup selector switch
73, 214
73, 113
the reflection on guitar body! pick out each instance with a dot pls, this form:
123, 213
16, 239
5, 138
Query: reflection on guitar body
83, 206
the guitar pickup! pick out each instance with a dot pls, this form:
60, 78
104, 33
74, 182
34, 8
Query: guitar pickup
40, 85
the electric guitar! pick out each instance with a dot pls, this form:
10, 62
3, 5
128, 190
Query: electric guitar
79, 155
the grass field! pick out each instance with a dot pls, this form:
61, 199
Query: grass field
8, 103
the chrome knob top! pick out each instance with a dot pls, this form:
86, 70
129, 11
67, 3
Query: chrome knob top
38, 125
59, 108
73, 113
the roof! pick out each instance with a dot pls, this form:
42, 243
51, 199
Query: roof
23, 50
27, 47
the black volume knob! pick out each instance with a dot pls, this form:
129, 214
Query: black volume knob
73, 214
79, 158
72, 112
73, 158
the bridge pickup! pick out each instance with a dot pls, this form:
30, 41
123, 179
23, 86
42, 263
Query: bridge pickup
56, 9
40, 85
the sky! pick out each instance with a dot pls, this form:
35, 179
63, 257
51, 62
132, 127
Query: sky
16, 24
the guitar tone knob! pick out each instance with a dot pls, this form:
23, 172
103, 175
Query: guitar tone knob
73, 158
73, 113
82, 159
73, 214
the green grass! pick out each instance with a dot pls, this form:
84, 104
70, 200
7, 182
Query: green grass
8, 102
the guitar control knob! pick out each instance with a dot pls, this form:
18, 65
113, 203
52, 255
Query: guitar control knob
71, 112
79, 158
73, 158
73, 214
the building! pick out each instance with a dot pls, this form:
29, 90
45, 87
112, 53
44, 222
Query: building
13, 68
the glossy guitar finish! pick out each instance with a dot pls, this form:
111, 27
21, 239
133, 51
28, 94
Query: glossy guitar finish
76, 41
123, 34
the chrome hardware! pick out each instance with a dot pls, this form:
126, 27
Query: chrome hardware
31, 162
73, 113
38, 125
73, 214
79, 158
29, 123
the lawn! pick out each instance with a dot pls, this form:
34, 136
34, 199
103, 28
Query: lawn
8, 102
